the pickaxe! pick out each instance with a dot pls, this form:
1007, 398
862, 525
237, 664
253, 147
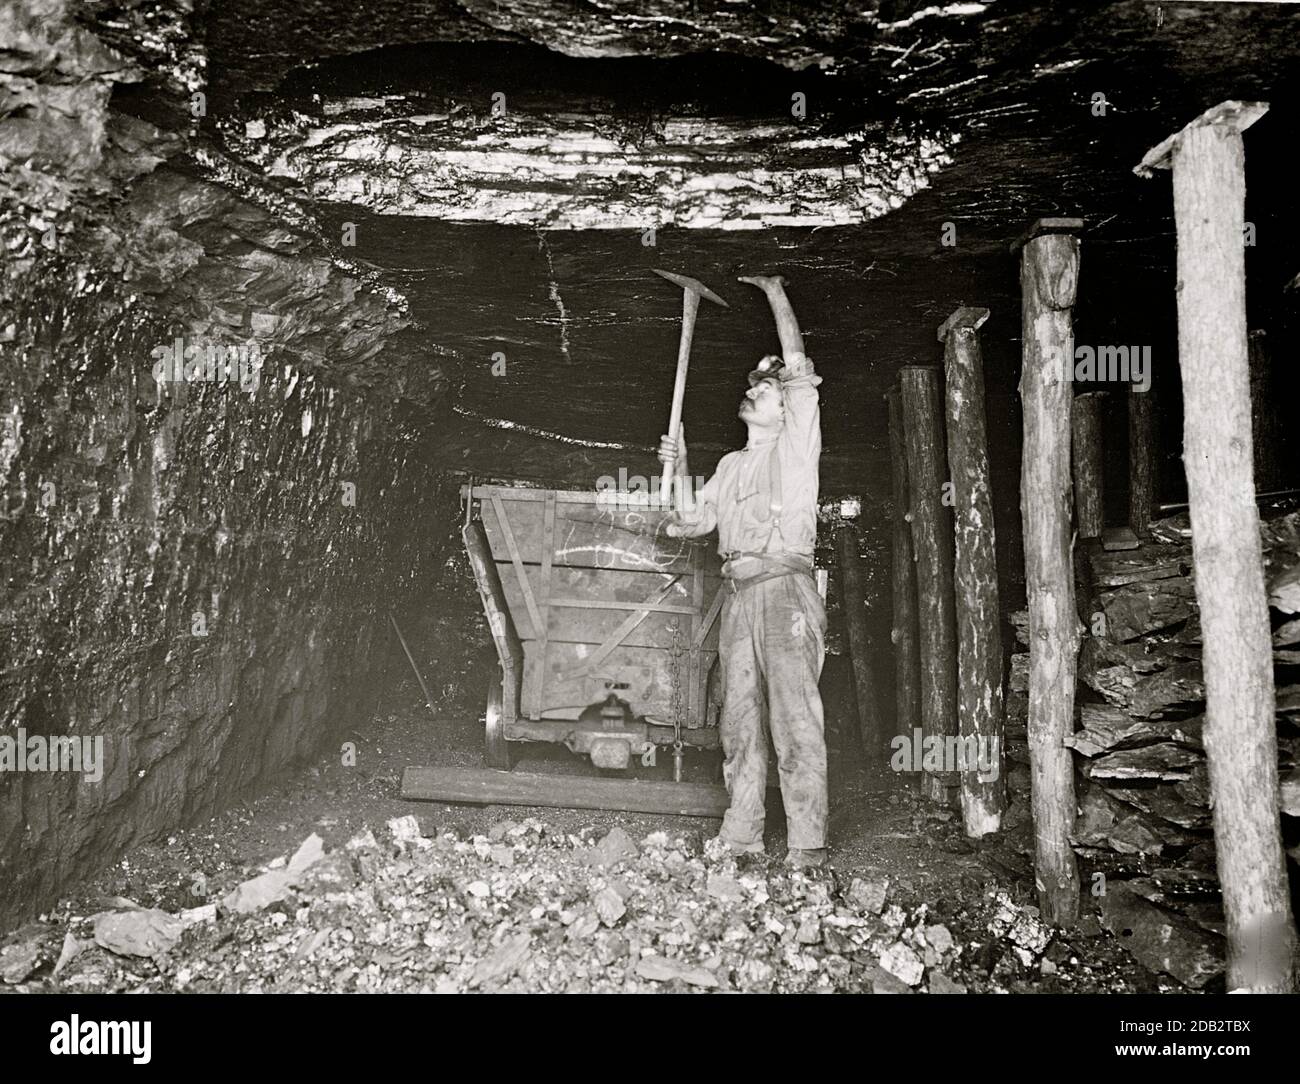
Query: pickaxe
692, 291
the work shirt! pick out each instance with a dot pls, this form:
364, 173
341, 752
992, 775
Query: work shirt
741, 499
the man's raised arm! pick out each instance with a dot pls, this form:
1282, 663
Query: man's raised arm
798, 380
787, 327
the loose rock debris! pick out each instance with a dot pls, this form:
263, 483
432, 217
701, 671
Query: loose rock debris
399, 910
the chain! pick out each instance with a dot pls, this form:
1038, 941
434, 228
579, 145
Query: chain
677, 651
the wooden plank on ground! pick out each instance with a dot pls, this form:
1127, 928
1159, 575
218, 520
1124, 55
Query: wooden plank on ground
483, 786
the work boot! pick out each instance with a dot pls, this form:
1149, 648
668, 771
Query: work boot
719, 846
801, 859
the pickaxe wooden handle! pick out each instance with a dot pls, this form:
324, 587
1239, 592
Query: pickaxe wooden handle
692, 291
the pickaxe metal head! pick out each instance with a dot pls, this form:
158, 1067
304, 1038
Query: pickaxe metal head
694, 285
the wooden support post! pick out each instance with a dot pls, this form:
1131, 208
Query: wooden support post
1208, 163
1089, 491
903, 633
855, 622
1265, 422
1142, 455
1049, 269
922, 401
980, 712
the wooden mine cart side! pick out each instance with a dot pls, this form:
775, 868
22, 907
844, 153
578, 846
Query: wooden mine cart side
585, 596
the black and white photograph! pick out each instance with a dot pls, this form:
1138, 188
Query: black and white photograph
656, 497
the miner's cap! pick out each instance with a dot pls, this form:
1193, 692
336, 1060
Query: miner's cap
769, 368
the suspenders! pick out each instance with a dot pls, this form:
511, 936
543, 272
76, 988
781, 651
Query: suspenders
774, 508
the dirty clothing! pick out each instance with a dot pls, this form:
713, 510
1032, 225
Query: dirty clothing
763, 502
771, 648
763, 498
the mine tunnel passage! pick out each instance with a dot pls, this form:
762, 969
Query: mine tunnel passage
466, 340
561, 343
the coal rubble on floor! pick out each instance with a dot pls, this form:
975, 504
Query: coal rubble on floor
525, 908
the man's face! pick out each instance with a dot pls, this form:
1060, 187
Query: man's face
763, 404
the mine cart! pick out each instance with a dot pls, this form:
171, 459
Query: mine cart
606, 628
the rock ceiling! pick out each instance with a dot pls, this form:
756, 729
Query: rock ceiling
519, 232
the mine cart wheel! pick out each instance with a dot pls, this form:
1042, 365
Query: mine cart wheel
496, 750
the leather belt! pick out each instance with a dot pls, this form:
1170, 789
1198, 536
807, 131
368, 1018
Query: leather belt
779, 565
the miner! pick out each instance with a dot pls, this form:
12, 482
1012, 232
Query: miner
763, 503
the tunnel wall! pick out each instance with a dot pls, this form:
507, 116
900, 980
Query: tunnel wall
196, 573
188, 575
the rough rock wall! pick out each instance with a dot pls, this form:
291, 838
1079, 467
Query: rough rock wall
195, 570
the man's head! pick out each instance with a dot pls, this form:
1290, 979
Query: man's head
763, 407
